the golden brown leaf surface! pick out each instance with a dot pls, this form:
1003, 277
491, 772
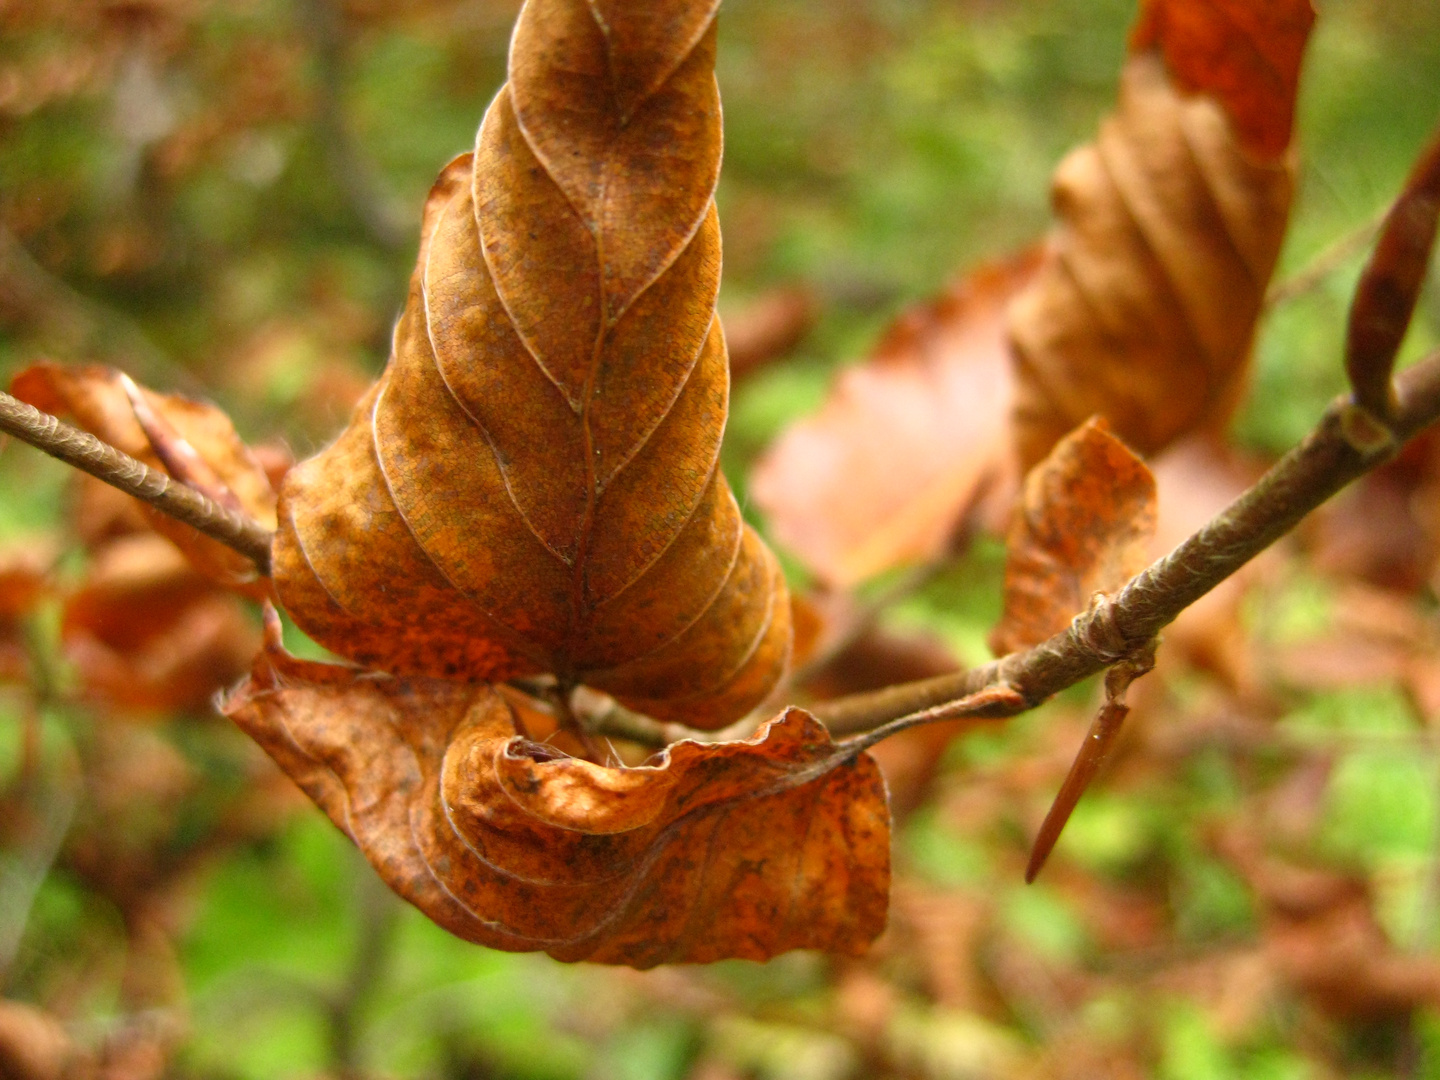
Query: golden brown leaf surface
1170, 226
906, 443
97, 400
534, 484
739, 849
1082, 526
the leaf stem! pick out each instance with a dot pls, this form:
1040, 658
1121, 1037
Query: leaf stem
118, 469
1346, 443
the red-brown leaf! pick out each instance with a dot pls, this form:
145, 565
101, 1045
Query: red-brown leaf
742, 849
908, 441
1243, 53
1082, 526
1170, 226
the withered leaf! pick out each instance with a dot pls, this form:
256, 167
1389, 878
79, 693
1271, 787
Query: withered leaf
1245, 55
1082, 525
1171, 223
146, 631
908, 442
98, 400
739, 849
534, 483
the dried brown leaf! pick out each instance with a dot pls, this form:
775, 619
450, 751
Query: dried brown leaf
1082, 525
146, 631
907, 443
740, 849
1245, 55
98, 400
534, 484
1171, 223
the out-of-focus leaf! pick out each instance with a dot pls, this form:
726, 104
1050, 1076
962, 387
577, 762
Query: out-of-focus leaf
534, 484
740, 849
34, 1045
146, 631
908, 443
1171, 222
768, 327
1082, 525
24, 569
97, 398
1245, 55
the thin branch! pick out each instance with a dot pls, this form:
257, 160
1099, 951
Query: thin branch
104, 462
1347, 442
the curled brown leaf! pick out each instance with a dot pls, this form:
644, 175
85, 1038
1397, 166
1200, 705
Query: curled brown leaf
740, 849
534, 485
1171, 223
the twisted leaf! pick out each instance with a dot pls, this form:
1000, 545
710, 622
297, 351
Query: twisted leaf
1171, 223
534, 483
738, 849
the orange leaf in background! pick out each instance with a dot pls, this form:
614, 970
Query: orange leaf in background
24, 568
1082, 526
768, 327
534, 484
1171, 223
1244, 54
739, 849
97, 398
146, 631
909, 441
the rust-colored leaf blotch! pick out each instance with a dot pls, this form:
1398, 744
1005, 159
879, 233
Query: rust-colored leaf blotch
738, 849
1083, 525
1170, 226
534, 483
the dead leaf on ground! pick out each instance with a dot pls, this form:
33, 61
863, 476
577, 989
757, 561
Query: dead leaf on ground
1083, 525
739, 849
534, 485
1322, 936
1171, 223
908, 443
97, 399
146, 631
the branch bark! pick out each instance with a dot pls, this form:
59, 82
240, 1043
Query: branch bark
118, 469
1346, 443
